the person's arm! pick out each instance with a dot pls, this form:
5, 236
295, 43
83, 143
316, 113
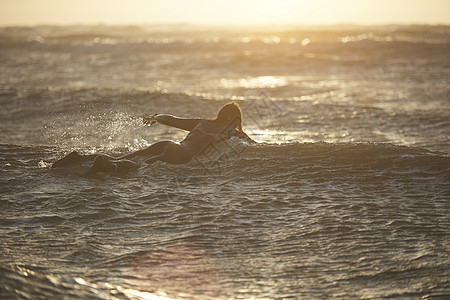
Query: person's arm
241, 135
169, 120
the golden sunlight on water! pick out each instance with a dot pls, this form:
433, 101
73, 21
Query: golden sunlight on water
180, 270
271, 136
255, 82
135, 294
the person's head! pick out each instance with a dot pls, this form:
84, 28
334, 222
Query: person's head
230, 115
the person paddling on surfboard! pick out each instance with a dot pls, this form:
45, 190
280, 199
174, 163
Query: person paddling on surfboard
202, 134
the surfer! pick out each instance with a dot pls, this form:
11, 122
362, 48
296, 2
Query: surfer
202, 134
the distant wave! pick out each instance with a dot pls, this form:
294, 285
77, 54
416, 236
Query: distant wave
136, 39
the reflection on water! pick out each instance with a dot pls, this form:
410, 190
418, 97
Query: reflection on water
182, 269
255, 82
139, 295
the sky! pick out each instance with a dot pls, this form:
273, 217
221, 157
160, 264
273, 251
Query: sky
246, 12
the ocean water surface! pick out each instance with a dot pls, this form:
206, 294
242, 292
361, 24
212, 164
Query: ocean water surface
345, 195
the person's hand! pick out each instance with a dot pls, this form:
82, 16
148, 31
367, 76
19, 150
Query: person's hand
149, 120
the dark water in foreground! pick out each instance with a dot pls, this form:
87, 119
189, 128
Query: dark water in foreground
346, 195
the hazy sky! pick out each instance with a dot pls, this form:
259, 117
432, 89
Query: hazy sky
31, 12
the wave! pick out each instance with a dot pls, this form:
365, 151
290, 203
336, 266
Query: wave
341, 161
137, 39
247, 35
290, 161
360, 199
31, 282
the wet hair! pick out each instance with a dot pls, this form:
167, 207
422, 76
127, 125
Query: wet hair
229, 114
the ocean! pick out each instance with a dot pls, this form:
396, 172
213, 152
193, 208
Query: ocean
345, 195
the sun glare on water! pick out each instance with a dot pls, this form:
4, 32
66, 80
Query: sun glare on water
135, 294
